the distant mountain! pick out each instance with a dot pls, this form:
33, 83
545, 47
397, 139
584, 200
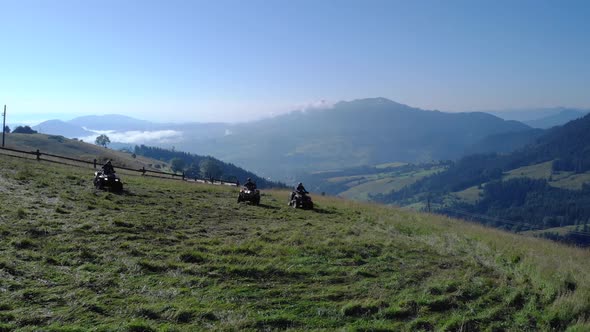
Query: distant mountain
355, 133
112, 122
58, 127
360, 132
541, 117
557, 119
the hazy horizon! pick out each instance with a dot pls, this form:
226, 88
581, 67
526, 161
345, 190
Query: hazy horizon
518, 114
229, 61
524, 114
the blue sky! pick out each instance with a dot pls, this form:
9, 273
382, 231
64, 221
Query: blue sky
241, 60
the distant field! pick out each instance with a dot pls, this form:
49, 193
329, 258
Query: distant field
571, 181
338, 179
383, 183
391, 165
538, 171
470, 195
564, 180
558, 230
174, 256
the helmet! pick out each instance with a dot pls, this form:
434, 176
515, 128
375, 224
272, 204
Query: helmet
249, 179
108, 161
300, 184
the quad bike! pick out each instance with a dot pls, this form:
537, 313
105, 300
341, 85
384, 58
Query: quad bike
110, 182
301, 201
249, 195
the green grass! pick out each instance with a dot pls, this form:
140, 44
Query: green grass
169, 255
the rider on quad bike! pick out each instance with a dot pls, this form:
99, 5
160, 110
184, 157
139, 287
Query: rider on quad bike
108, 168
106, 178
249, 193
300, 199
300, 189
249, 184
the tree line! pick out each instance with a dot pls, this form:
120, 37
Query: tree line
568, 146
196, 166
20, 130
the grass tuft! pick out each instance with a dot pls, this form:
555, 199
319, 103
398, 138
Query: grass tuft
140, 326
192, 257
356, 309
23, 243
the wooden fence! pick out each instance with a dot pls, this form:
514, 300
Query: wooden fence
42, 156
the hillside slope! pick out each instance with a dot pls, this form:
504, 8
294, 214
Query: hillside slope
544, 185
59, 145
169, 255
149, 157
505, 142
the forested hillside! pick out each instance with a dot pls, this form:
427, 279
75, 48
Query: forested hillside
505, 142
521, 203
206, 167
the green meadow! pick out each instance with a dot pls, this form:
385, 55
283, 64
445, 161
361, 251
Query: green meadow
168, 255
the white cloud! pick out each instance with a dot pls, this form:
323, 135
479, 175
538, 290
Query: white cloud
317, 105
138, 137
100, 132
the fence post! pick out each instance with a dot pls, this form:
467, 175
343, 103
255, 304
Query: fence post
94, 163
143, 170
182, 175
38, 154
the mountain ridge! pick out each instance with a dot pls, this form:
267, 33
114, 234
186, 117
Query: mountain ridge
350, 133
369, 131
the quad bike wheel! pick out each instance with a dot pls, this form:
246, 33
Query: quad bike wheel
117, 187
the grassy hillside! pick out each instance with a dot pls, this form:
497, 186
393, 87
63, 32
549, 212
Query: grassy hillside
360, 183
62, 146
169, 255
